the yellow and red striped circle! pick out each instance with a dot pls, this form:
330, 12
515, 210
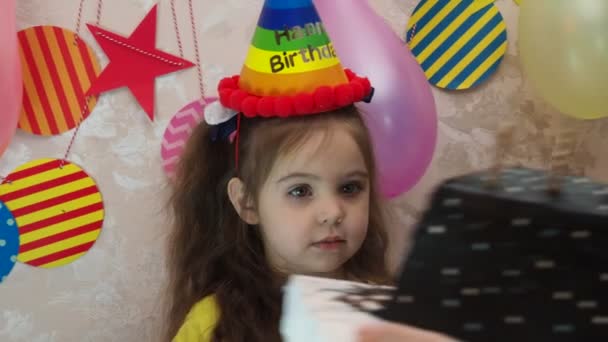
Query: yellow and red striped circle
58, 210
58, 69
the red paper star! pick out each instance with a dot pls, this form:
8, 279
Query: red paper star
134, 62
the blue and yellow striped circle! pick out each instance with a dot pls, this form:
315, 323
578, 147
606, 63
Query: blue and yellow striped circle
458, 43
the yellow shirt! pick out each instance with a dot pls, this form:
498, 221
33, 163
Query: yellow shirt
200, 322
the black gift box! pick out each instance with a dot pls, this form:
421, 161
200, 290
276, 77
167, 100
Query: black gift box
511, 262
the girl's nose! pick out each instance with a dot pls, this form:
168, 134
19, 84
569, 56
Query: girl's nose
331, 211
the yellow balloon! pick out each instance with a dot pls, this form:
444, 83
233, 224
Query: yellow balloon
563, 47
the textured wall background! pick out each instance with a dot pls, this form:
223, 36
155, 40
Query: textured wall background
112, 293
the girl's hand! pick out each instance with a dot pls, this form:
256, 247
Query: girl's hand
393, 332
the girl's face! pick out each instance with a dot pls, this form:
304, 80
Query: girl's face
313, 209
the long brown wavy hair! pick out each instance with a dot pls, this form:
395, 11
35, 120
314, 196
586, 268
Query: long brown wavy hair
213, 252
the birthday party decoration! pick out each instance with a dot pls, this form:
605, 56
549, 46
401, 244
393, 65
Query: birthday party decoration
178, 131
10, 74
58, 209
458, 43
291, 67
135, 62
9, 242
58, 68
401, 118
564, 53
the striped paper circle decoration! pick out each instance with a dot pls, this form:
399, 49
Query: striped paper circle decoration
290, 52
58, 69
58, 210
458, 43
9, 242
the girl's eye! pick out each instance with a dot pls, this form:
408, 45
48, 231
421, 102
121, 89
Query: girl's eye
301, 191
352, 188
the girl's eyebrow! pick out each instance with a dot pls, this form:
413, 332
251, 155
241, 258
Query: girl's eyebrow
352, 174
298, 175
357, 173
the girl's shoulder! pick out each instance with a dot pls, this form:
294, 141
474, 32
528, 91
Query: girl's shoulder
200, 322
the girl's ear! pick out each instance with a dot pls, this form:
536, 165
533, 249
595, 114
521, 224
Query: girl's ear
244, 207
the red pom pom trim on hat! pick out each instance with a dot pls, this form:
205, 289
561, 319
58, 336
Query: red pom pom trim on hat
265, 107
250, 105
283, 106
225, 95
304, 104
349, 74
228, 83
343, 95
237, 98
358, 91
367, 86
323, 99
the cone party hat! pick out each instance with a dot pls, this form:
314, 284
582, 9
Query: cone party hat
291, 67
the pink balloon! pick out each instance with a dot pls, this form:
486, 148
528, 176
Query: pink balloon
402, 117
11, 86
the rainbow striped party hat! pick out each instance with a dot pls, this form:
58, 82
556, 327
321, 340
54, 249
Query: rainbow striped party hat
291, 68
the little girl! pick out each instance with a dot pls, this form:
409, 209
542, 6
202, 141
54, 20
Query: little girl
280, 181
304, 202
